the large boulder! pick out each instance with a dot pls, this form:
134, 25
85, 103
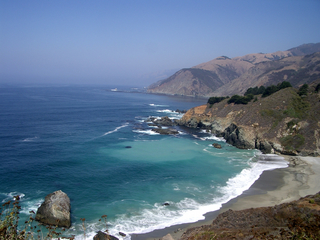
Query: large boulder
55, 210
217, 145
103, 236
236, 137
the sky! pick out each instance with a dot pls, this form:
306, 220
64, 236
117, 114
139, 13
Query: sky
137, 42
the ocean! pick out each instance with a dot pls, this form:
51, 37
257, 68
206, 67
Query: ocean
95, 145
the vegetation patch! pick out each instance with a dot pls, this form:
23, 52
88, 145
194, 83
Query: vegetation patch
298, 108
277, 115
292, 142
214, 100
272, 89
255, 90
207, 235
303, 90
236, 99
291, 124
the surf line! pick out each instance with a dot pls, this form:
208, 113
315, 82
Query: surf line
116, 129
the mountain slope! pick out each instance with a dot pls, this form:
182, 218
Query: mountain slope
297, 70
226, 76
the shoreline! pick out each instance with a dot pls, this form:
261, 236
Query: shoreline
273, 187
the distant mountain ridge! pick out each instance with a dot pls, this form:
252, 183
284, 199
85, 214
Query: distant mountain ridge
227, 76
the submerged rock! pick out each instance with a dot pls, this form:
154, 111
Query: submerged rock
216, 145
55, 210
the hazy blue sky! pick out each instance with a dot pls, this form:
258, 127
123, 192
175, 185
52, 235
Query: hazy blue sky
135, 42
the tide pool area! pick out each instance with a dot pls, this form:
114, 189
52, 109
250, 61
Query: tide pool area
96, 146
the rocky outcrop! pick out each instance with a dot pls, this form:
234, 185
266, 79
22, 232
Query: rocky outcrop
295, 220
162, 124
103, 236
55, 210
165, 131
164, 121
236, 137
283, 123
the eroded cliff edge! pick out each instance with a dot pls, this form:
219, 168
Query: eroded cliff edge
283, 122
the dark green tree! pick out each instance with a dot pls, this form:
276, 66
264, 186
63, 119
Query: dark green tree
303, 90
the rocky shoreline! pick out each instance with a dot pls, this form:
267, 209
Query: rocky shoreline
283, 123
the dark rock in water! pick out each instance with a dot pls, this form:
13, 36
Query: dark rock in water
216, 145
150, 119
55, 210
166, 204
122, 234
181, 111
128, 147
168, 131
103, 236
263, 146
164, 121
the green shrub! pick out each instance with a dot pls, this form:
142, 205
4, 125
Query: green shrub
275, 114
317, 88
298, 108
311, 201
284, 84
214, 100
291, 124
303, 90
236, 99
272, 89
255, 90
292, 142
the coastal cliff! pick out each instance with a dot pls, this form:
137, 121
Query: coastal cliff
283, 122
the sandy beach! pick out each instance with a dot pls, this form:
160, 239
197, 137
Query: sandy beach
274, 187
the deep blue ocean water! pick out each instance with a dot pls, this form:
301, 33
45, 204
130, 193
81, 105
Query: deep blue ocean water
95, 145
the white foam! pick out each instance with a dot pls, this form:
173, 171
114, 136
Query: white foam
30, 205
188, 210
30, 139
148, 132
10, 196
213, 137
210, 137
157, 105
165, 111
116, 129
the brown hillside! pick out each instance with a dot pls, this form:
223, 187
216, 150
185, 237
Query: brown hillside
284, 122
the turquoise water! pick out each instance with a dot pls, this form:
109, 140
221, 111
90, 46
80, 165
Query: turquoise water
95, 145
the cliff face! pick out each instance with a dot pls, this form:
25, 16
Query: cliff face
283, 123
224, 76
